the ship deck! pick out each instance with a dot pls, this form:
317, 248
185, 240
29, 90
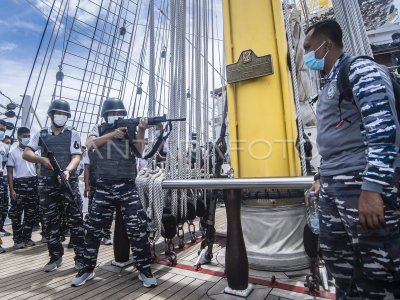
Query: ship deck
21, 276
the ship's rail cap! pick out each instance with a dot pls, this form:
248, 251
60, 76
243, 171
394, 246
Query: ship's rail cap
303, 182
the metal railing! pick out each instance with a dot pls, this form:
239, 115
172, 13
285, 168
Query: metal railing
241, 183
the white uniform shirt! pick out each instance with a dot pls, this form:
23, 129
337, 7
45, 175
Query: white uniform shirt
75, 147
21, 167
82, 163
4, 149
86, 159
95, 131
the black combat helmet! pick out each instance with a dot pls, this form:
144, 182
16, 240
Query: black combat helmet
112, 104
395, 35
60, 105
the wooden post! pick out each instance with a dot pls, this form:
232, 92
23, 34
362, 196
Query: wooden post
236, 264
121, 241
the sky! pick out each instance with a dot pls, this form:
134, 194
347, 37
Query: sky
21, 26
20, 29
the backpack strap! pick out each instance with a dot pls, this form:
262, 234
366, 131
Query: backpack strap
343, 79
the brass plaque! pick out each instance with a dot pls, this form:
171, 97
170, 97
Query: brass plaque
249, 66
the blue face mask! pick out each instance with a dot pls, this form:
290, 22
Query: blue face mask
25, 141
314, 63
157, 133
2, 134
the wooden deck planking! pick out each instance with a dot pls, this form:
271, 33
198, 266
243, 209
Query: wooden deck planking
22, 276
95, 286
163, 288
133, 286
176, 288
162, 284
186, 290
63, 284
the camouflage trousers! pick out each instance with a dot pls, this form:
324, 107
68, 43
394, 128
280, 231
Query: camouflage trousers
107, 227
365, 263
27, 197
108, 194
4, 200
51, 196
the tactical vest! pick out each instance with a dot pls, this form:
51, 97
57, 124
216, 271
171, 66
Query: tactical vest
60, 145
114, 160
92, 157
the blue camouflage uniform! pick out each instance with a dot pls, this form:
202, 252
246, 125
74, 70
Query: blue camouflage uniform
359, 153
115, 173
106, 233
4, 149
52, 196
25, 185
4, 202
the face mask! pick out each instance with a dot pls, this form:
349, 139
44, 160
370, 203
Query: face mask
157, 133
314, 63
396, 41
2, 134
60, 120
112, 119
25, 141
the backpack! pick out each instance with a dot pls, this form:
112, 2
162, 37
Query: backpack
346, 91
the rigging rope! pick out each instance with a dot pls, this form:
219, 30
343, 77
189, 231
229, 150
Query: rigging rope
172, 153
295, 86
355, 38
86, 66
48, 60
33, 67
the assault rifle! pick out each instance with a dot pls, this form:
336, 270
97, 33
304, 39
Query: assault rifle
59, 173
132, 123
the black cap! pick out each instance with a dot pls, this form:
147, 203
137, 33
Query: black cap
2, 122
60, 105
395, 35
112, 105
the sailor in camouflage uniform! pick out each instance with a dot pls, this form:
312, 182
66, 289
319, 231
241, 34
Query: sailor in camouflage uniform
358, 181
23, 184
65, 143
3, 158
5, 200
114, 167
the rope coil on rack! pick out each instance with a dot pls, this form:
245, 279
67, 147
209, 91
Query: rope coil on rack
152, 197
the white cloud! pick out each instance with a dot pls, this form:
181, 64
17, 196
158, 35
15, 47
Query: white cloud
27, 25
7, 46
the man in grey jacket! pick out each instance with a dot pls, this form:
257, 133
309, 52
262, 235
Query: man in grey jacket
357, 183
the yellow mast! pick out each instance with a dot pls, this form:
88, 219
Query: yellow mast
262, 122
